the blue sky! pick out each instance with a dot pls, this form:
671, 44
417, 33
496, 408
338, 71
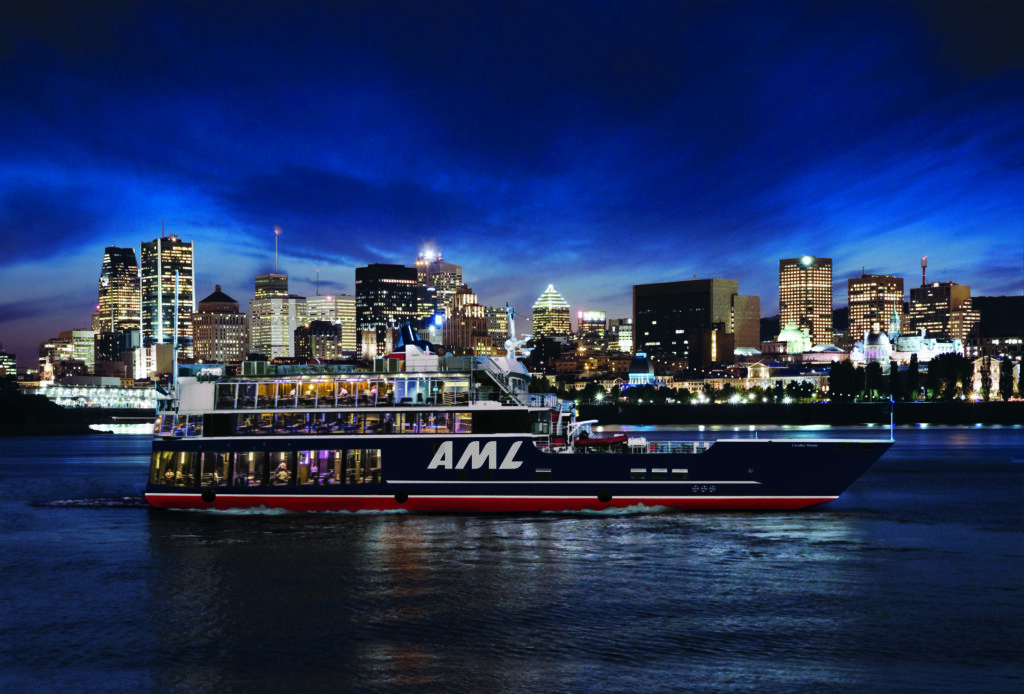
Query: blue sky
590, 145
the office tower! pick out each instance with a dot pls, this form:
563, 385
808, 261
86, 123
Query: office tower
805, 296
465, 330
346, 307
338, 309
497, 326
551, 315
445, 278
274, 314
385, 298
943, 310
592, 322
220, 330
271, 284
620, 335
163, 260
702, 321
8, 365
119, 305
83, 346
873, 299
321, 307
320, 340
112, 345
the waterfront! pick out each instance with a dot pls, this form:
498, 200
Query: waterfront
912, 581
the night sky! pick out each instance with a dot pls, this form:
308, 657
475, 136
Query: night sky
591, 145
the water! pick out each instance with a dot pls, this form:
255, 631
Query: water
913, 581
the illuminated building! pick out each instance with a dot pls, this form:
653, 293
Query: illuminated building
337, 309
942, 310
8, 365
497, 326
439, 281
167, 260
620, 335
385, 298
274, 316
465, 330
271, 284
221, 333
320, 339
551, 315
805, 296
701, 321
113, 351
119, 305
595, 322
872, 300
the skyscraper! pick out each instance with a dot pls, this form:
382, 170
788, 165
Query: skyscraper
551, 314
385, 298
271, 284
873, 299
805, 296
445, 278
221, 333
943, 310
119, 305
274, 314
337, 309
702, 320
163, 260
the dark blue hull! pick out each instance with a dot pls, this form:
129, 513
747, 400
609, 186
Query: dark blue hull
496, 473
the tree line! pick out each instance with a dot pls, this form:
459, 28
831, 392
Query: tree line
948, 377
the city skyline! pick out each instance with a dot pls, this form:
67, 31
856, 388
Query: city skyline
592, 147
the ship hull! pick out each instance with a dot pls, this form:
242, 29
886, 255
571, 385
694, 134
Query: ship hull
508, 474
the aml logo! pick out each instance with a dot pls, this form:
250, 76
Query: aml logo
475, 456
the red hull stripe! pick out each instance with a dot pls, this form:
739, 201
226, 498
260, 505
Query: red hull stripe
479, 504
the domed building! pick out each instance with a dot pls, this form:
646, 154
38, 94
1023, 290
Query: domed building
641, 370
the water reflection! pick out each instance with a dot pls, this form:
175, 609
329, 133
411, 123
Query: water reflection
503, 604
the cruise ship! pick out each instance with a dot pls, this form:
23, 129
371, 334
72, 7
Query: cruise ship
441, 434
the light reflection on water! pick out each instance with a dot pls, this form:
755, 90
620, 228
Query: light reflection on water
912, 581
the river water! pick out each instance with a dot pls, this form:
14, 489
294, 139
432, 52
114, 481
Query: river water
913, 581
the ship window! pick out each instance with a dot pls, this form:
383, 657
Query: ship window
867, 446
371, 423
680, 474
164, 425
226, 396
307, 395
264, 395
326, 392
247, 395
460, 474
282, 468
463, 423
314, 467
543, 473
216, 469
638, 473
177, 468
251, 469
286, 394
659, 473
488, 474
844, 446
362, 466
289, 423
351, 423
